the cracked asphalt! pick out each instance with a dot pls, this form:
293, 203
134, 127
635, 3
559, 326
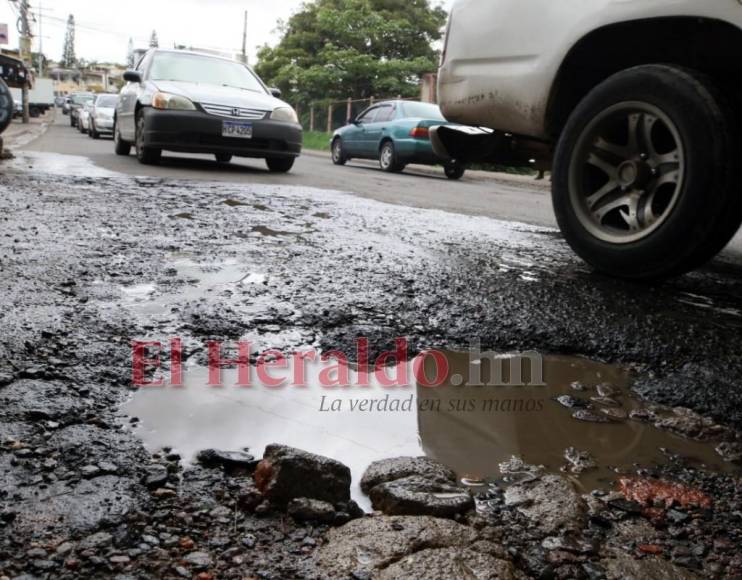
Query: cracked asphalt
81, 231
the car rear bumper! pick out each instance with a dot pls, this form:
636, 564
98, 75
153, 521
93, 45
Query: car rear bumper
198, 132
416, 151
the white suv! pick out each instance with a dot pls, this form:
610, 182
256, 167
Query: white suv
633, 104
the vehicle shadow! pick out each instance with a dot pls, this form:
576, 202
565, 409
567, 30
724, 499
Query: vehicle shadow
197, 164
415, 171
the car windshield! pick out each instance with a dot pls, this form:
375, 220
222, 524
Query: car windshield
423, 111
82, 99
191, 68
106, 101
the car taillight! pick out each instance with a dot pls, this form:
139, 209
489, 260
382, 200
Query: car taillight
420, 133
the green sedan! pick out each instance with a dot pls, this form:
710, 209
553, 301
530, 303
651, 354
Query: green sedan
396, 133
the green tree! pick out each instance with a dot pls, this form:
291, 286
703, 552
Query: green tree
69, 60
334, 49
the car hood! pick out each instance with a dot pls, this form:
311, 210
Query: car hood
217, 95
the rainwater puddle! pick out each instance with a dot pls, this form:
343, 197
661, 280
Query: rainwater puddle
192, 281
473, 429
196, 417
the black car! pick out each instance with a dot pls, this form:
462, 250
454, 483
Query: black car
196, 103
77, 102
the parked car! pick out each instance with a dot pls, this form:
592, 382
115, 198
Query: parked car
77, 102
634, 106
66, 105
196, 103
396, 133
83, 117
59, 101
101, 115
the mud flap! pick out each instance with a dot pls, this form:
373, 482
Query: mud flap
467, 145
461, 143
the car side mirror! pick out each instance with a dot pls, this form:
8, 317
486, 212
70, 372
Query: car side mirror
133, 76
354, 121
276, 92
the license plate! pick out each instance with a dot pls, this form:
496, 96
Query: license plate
238, 129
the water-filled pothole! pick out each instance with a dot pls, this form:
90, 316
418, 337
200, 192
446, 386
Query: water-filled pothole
582, 409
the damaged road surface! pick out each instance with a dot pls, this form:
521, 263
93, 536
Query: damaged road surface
636, 474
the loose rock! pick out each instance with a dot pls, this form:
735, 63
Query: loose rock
551, 503
417, 495
399, 467
286, 473
307, 510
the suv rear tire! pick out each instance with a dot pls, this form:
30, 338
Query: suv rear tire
644, 181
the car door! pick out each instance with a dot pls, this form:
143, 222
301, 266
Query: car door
127, 104
354, 140
374, 131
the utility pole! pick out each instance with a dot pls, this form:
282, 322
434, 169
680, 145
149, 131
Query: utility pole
244, 40
25, 50
41, 45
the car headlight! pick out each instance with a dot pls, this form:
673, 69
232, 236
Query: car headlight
285, 114
168, 101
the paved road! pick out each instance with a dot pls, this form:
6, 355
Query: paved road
483, 194
476, 194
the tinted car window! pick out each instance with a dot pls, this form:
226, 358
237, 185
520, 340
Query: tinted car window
106, 101
192, 68
368, 116
423, 110
386, 113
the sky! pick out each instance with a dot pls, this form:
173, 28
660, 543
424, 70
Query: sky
104, 26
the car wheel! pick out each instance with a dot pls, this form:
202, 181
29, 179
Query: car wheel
145, 155
120, 146
338, 153
454, 171
223, 157
72, 120
34, 112
388, 158
279, 164
7, 106
643, 180
93, 131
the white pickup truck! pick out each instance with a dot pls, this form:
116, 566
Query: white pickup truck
633, 104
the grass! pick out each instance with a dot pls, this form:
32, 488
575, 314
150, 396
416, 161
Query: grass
317, 140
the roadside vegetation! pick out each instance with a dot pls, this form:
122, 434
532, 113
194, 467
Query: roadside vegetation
336, 49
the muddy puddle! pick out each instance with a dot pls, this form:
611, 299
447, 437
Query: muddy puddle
570, 415
582, 421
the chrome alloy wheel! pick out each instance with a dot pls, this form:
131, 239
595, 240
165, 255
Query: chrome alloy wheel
626, 172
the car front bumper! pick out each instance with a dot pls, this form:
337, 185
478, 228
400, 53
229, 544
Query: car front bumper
198, 132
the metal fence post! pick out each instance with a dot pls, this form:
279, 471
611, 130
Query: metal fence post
371, 101
329, 118
349, 110
311, 118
